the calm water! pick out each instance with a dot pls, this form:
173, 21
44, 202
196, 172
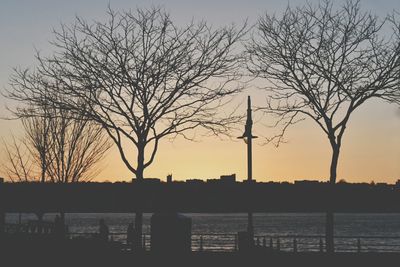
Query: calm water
271, 224
264, 224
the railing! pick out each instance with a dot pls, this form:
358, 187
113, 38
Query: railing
285, 243
343, 243
229, 242
214, 242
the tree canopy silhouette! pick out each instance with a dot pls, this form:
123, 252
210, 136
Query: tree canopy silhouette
323, 63
139, 76
56, 147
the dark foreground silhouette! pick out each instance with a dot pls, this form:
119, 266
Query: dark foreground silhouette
80, 254
53, 249
169, 248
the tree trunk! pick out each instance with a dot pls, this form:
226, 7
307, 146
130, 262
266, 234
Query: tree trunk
329, 240
140, 164
139, 213
334, 164
40, 221
62, 217
43, 175
64, 229
329, 229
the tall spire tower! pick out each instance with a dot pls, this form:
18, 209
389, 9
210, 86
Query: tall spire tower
248, 137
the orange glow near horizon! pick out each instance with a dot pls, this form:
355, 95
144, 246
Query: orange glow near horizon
371, 151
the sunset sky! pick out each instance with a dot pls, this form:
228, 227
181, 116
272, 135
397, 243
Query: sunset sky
371, 146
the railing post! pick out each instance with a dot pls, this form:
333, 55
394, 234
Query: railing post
271, 244
201, 243
236, 242
321, 245
144, 242
264, 242
358, 245
278, 245
294, 245
258, 241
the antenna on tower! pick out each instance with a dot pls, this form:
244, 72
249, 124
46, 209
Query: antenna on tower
248, 137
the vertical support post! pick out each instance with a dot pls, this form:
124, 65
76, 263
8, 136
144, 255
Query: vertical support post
321, 245
236, 242
144, 242
271, 244
258, 241
264, 242
278, 245
250, 229
249, 136
138, 242
358, 245
329, 233
201, 243
294, 245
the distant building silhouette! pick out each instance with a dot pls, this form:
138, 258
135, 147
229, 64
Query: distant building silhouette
231, 178
195, 181
306, 182
147, 180
169, 178
228, 178
213, 181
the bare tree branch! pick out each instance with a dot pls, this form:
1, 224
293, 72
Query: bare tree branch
323, 63
140, 77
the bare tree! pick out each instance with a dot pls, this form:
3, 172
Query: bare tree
37, 141
77, 145
27, 157
142, 78
323, 63
59, 148
56, 148
18, 165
